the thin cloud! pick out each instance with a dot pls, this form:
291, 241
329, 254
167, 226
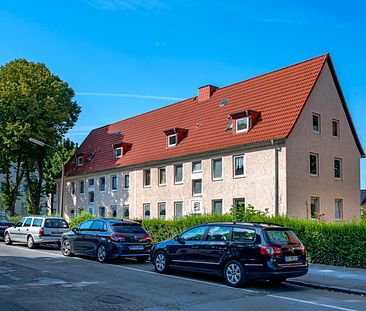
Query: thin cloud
131, 5
128, 95
282, 21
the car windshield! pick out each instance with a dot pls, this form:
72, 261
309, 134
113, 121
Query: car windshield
55, 223
127, 228
282, 237
4, 219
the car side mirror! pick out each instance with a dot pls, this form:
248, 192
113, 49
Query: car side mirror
179, 239
75, 230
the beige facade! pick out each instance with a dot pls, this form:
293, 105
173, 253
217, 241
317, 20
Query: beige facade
276, 175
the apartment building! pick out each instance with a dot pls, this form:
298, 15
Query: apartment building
283, 142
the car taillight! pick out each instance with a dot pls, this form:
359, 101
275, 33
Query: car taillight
117, 238
303, 249
271, 250
147, 237
41, 231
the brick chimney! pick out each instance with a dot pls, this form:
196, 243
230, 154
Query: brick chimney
205, 92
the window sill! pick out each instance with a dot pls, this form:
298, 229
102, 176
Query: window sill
197, 195
338, 179
114, 190
313, 175
126, 189
315, 132
162, 185
178, 183
239, 176
217, 179
146, 187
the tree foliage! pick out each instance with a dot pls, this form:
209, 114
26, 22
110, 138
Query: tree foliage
33, 103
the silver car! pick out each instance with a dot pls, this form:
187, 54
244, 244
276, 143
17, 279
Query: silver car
35, 230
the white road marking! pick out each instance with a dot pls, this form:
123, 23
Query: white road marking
201, 282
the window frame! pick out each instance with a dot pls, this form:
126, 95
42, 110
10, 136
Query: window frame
80, 163
100, 184
72, 188
176, 140
235, 204
335, 209
175, 174
116, 178
213, 169
175, 209
115, 152
124, 181
196, 162
340, 168
81, 182
125, 207
338, 128
311, 213
213, 204
159, 205
238, 156
193, 184
89, 195
144, 178
317, 164
146, 206
159, 176
99, 213
242, 130
314, 114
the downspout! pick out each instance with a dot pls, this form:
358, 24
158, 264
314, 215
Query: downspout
276, 179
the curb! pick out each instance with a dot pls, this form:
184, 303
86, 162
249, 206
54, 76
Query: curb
329, 287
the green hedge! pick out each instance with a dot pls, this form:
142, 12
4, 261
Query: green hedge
339, 244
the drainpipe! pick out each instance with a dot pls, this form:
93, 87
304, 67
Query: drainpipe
276, 184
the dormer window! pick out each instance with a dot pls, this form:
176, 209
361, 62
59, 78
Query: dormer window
172, 140
242, 125
80, 161
118, 153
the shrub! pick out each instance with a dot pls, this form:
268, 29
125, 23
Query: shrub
15, 219
78, 219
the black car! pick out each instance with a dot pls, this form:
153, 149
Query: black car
106, 239
237, 251
4, 224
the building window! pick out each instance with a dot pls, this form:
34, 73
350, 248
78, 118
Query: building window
239, 202
242, 125
162, 210
239, 166
178, 209
197, 186
114, 182
147, 181
101, 184
126, 181
114, 210
217, 207
162, 176
118, 152
217, 169
91, 210
338, 209
172, 140
80, 161
126, 211
91, 197
314, 207
146, 207
338, 168
316, 123
101, 211
72, 188
196, 166
91, 182
313, 164
81, 186
178, 174
335, 128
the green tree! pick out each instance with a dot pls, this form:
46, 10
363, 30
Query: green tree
33, 103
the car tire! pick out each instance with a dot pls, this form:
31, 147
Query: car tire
161, 263
7, 239
66, 248
30, 242
142, 259
102, 254
234, 274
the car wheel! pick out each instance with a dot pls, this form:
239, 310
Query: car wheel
142, 258
30, 242
161, 262
102, 254
234, 274
7, 239
66, 248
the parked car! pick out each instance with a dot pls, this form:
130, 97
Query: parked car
106, 239
4, 223
35, 230
237, 251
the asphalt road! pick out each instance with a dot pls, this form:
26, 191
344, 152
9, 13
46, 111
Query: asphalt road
43, 279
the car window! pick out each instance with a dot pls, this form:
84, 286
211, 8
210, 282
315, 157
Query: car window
98, 226
243, 235
194, 234
218, 233
37, 222
27, 222
55, 223
127, 228
20, 222
85, 225
4, 219
282, 237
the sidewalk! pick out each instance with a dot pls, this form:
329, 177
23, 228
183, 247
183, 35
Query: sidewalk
340, 279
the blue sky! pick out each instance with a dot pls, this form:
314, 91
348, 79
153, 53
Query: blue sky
125, 57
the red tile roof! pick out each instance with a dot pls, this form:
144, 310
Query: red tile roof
279, 96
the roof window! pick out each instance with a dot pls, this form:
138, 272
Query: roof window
175, 136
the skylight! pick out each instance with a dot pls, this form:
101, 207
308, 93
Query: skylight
223, 102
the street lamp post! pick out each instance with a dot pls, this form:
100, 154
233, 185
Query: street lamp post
42, 144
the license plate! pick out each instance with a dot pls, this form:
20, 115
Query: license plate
291, 258
136, 247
